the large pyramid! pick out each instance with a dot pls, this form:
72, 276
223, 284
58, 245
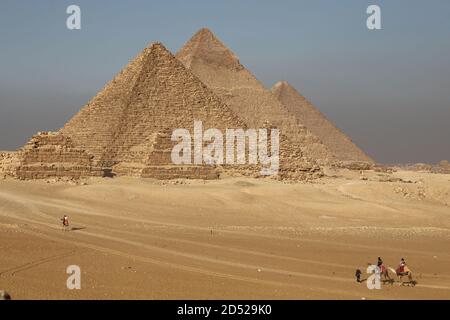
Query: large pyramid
209, 59
152, 94
341, 145
127, 125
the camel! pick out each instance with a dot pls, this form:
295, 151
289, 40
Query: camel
385, 276
406, 272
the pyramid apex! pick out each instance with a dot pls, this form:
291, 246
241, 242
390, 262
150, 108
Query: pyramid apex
281, 84
205, 46
282, 88
156, 46
156, 51
204, 30
204, 35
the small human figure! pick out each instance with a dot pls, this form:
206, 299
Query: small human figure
379, 262
65, 222
358, 275
402, 265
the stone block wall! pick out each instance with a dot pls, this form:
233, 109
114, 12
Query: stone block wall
49, 155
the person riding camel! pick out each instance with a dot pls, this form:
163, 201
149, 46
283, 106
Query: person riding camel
380, 265
379, 262
403, 270
401, 266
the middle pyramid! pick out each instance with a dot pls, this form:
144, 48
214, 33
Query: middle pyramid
219, 68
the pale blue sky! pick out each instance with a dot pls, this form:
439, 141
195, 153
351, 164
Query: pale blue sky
388, 89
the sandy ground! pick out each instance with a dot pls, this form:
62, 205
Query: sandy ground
230, 239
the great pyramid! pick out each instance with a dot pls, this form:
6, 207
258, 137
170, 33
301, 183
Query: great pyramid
339, 143
209, 59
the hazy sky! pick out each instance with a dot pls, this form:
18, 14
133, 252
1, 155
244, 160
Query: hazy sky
388, 89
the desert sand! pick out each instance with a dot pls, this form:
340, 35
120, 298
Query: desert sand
235, 238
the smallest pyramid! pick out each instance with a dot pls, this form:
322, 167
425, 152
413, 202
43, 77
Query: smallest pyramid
338, 142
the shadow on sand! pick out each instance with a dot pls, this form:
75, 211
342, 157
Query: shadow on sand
77, 228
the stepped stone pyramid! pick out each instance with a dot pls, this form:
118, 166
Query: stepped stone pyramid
49, 154
339, 143
219, 68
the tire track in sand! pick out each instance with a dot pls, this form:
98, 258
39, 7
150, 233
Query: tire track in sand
89, 212
32, 264
195, 257
184, 267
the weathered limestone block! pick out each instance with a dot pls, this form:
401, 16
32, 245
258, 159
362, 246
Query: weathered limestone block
159, 165
180, 172
9, 161
356, 165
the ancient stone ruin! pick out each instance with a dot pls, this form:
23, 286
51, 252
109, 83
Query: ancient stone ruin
51, 154
126, 129
9, 162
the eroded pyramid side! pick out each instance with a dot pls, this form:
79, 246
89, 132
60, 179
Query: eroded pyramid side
339, 143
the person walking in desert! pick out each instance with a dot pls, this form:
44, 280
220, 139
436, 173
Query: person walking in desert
65, 222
